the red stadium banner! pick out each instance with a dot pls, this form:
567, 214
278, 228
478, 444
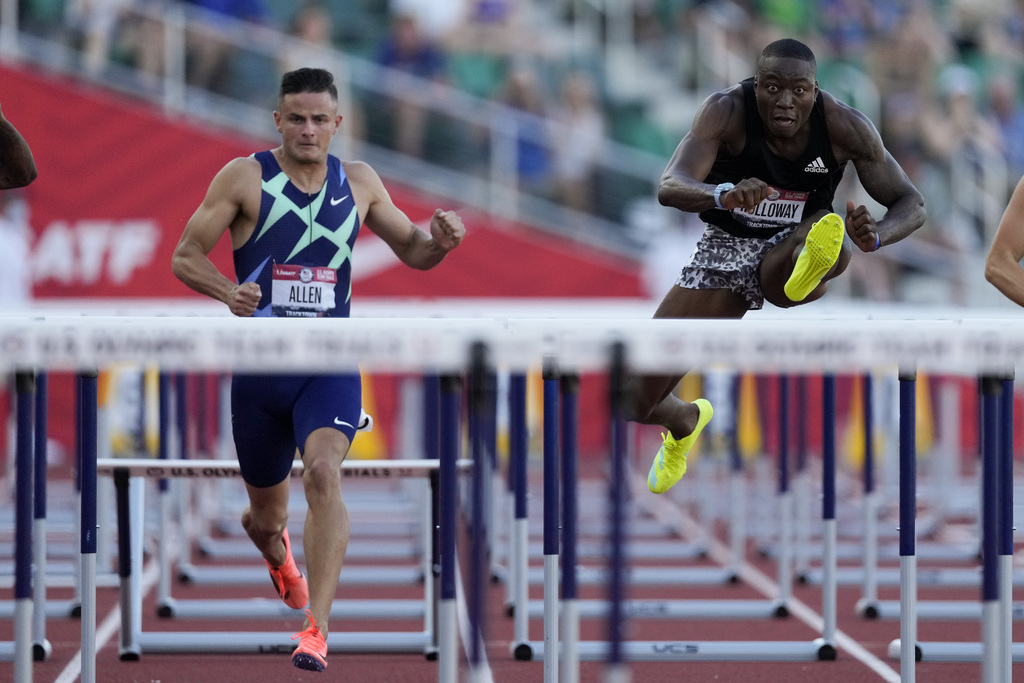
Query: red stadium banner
118, 180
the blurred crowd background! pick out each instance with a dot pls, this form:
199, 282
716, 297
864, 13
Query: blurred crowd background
563, 113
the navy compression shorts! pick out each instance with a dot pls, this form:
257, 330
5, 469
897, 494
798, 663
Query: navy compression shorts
272, 415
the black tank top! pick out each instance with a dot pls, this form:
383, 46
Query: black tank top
804, 185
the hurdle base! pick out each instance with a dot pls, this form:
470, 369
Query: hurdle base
707, 651
268, 642
42, 651
676, 609
896, 650
268, 608
522, 652
953, 652
942, 610
827, 650
867, 609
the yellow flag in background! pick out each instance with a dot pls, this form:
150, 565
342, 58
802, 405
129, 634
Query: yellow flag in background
925, 436
853, 441
368, 445
748, 421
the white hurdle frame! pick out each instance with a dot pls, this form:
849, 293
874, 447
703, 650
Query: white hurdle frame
967, 346
135, 641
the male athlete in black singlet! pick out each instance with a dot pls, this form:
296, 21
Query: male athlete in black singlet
760, 165
293, 214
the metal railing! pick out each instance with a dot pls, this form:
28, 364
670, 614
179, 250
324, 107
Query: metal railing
477, 163
473, 159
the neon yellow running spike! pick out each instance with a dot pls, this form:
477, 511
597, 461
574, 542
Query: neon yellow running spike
820, 252
670, 463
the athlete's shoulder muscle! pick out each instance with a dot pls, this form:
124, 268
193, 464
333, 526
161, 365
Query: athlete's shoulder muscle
853, 135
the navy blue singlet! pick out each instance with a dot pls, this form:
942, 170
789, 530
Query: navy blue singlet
300, 254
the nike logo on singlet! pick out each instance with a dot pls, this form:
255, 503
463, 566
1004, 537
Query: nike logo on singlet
335, 202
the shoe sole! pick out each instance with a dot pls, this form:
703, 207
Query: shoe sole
821, 251
308, 662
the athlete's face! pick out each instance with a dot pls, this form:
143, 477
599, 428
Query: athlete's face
307, 121
786, 89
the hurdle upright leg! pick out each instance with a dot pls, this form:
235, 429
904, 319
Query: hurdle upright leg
570, 607
87, 464
909, 652
616, 669
24, 382
41, 646
481, 409
551, 403
519, 547
1005, 530
826, 644
448, 655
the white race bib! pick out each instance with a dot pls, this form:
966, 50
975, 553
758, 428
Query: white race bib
302, 291
780, 209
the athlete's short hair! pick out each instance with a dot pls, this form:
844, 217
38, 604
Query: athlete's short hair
308, 80
787, 48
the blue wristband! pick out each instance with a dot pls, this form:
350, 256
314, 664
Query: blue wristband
878, 242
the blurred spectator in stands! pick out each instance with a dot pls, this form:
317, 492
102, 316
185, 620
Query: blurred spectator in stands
94, 22
720, 51
956, 127
578, 141
905, 60
847, 27
313, 30
208, 64
141, 39
493, 27
409, 50
116, 29
522, 91
435, 18
1007, 113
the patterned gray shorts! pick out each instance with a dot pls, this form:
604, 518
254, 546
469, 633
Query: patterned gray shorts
724, 261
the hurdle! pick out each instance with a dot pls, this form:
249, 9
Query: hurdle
130, 502
996, 651
564, 404
966, 347
169, 606
562, 391
872, 608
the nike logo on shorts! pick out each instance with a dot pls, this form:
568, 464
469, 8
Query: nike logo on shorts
342, 423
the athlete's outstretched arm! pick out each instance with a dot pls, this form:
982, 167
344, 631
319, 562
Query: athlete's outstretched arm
221, 208
1002, 266
17, 165
416, 248
717, 123
882, 177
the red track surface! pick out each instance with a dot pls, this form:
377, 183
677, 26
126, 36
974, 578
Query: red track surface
873, 636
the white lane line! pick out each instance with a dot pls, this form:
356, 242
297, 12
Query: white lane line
667, 511
107, 629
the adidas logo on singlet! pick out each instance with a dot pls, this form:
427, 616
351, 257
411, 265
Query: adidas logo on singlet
816, 166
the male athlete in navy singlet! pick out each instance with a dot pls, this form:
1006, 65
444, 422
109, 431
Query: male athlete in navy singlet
293, 214
760, 165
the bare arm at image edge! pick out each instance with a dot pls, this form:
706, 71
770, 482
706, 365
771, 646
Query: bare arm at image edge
1002, 266
17, 166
